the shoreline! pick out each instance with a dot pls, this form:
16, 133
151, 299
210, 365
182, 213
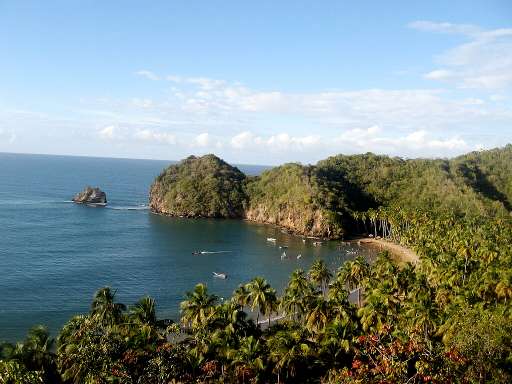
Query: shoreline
399, 252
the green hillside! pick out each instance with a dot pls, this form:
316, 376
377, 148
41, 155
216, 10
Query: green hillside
199, 187
320, 200
298, 198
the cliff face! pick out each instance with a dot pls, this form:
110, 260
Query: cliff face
294, 197
317, 223
199, 187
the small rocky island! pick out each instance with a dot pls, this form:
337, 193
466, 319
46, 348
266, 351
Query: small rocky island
91, 196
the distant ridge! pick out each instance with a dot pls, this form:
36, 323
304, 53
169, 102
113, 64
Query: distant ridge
320, 200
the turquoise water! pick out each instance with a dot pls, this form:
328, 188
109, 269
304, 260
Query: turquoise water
54, 254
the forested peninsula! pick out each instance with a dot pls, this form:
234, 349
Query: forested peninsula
324, 200
444, 319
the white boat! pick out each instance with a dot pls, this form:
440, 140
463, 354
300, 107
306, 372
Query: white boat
299, 256
94, 205
283, 246
220, 275
271, 239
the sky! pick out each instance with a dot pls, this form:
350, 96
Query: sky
261, 82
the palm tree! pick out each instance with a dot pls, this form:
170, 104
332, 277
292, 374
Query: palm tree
144, 311
372, 215
353, 273
297, 294
143, 316
320, 274
241, 295
336, 339
248, 358
260, 294
34, 353
198, 307
104, 309
288, 350
272, 305
380, 308
318, 314
504, 287
299, 282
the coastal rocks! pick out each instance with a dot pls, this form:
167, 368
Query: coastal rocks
306, 222
93, 196
297, 198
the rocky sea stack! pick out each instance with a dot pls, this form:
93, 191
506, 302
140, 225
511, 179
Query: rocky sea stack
200, 187
91, 195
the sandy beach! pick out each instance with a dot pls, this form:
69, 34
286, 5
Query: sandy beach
399, 252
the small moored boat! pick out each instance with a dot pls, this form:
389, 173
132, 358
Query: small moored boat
220, 275
271, 239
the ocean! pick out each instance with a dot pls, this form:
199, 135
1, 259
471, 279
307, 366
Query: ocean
55, 254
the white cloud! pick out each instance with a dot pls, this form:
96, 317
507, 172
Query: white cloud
419, 141
205, 83
108, 133
147, 74
7, 137
142, 103
151, 136
202, 140
290, 124
357, 140
281, 141
242, 140
174, 78
439, 74
432, 26
484, 62
284, 141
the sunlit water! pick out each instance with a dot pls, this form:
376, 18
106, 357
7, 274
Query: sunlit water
54, 254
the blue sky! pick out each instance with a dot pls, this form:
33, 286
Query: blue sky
255, 82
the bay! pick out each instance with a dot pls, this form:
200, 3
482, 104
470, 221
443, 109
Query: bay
54, 254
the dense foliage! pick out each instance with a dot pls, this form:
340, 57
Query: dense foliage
320, 200
298, 198
440, 185
445, 319
199, 187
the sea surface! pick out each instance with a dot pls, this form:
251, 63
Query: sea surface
55, 254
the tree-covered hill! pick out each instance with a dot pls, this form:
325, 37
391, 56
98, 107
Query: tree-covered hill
320, 200
199, 187
489, 173
437, 185
298, 198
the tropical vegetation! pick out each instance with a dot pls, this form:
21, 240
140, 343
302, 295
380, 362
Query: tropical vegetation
446, 318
